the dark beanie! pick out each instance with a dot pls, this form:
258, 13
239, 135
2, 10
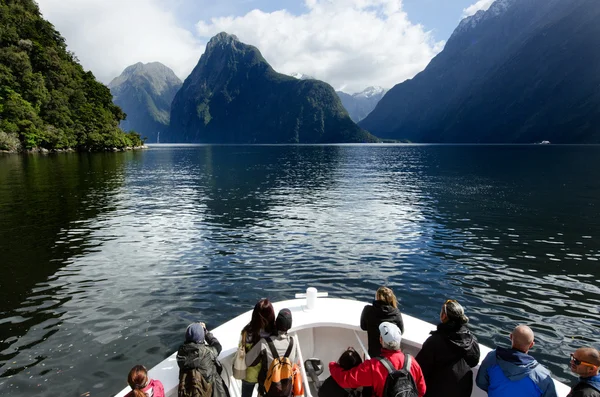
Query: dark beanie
194, 333
284, 320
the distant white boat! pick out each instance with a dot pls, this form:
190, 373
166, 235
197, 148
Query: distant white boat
544, 143
324, 328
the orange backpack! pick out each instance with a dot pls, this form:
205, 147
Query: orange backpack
279, 380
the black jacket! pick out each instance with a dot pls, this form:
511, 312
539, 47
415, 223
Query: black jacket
203, 357
372, 316
583, 389
446, 359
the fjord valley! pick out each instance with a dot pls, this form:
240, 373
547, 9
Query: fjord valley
265, 183
47, 100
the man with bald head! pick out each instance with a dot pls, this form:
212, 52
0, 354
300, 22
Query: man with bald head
585, 362
513, 372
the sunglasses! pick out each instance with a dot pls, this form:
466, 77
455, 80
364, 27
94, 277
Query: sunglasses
446, 303
579, 362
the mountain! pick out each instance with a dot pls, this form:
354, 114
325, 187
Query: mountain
145, 93
301, 76
234, 96
523, 71
360, 104
47, 100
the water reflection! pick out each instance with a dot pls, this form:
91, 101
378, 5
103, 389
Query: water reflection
132, 247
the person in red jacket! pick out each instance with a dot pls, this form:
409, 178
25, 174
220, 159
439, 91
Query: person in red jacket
372, 373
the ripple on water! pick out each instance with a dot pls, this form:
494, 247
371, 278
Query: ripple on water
158, 239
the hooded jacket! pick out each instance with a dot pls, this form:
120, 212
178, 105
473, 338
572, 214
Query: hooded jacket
372, 316
446, 359
509, 372
587, 387
372, 373
203, 357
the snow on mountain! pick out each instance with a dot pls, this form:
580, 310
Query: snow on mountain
496, 9
302, 76
370, 92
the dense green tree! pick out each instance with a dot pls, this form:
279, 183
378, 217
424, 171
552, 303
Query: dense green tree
47, 100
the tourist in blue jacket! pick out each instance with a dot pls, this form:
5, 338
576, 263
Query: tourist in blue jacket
513, 372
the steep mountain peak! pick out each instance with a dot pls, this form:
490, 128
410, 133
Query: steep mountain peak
370, 92
145, 92
221, 40
233, 95
497, 8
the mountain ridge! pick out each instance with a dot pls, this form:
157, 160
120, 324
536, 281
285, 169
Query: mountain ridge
446, 102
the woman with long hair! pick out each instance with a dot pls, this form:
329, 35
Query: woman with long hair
262, 325
141, 385
384, 308
449, 353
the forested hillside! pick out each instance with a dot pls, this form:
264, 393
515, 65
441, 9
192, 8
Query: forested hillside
47, 100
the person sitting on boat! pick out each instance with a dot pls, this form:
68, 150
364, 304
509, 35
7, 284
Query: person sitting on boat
373, 372
513, 372
585, 362
384, 308
263, 352
448, 355
199, 368
260, 326
141, 385
348, 360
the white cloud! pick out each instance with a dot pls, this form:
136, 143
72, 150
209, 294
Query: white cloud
480, 5
109, 35
350, 44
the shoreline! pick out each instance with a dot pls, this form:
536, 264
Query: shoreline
71, 150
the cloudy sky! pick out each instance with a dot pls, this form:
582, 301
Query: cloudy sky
351, 44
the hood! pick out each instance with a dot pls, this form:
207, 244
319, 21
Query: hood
593, 381
515, 364
457, 335
384, 309
194, 356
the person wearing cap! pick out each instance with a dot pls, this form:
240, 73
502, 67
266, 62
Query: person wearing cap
448, 355
513, 372
261, 352
200, 352
585, 362
372, 372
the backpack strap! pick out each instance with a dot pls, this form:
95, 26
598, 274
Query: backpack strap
407, 362
290, 347
272, 347
387, 364
390, 367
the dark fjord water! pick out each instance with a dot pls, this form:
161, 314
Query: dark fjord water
106, 258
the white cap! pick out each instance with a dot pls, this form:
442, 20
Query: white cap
390, 332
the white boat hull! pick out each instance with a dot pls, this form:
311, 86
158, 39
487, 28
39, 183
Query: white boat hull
323, 332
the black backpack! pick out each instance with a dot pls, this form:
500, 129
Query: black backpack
399, 382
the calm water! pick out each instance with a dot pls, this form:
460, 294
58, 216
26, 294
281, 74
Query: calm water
106, 258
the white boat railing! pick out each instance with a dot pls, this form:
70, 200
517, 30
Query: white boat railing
362, 346
302, 369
